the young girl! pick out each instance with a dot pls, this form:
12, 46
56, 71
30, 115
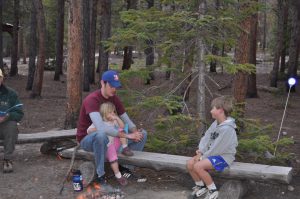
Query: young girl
108, 113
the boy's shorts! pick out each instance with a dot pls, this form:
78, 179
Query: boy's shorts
218, 162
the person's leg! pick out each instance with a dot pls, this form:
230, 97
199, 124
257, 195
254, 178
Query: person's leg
97, 143
199, 189
201, 169
190, 167
138, 146
9, 134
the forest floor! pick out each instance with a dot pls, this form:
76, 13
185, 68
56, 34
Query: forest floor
38, 176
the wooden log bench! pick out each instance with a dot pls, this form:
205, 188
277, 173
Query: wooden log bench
51, 138
238, 170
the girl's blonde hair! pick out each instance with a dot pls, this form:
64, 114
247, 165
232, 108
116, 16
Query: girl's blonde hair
224, 102
105, 109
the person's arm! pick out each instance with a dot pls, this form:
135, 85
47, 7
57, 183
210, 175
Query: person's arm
15, 114
125, 118
222, 143
202, 147
101, 126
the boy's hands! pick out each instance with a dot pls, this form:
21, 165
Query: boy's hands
198, 156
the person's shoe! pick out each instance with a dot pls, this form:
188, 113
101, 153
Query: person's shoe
195, 189
127, 152
126, 173
212, 194
7, 166
201, 191
122, 181
104, 187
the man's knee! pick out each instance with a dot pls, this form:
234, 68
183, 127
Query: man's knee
101, 137
145, 134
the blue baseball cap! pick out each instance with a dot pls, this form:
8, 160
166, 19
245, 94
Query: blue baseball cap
112, 78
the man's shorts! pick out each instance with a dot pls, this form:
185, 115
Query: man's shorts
218, 162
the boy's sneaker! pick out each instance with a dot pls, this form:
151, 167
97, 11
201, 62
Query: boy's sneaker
127, 152
7, 166
202, 190
122, 181
212, 194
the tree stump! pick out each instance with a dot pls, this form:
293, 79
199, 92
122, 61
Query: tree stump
232, 189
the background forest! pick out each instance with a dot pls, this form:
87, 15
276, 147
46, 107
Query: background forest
174, 57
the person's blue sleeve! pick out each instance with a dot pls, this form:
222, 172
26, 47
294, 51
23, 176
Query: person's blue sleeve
101, 126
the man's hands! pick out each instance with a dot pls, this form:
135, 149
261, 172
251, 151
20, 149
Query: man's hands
136, 135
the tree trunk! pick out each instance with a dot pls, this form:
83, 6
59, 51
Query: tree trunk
252, 90
24, 50
32, 47
1, 37
242, 56
294, 41
279, 44
59, 39
93, 41
285, 36
264, 42
201, 110
39, 72
149, 51
213, 64
86, 45
14, 55
74, 71
105, 24
127, 58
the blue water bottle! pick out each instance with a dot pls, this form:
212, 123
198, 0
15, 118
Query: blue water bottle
77, 181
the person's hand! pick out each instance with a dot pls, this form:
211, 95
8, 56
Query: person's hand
112, 116
198, 155
3, 118
136, 136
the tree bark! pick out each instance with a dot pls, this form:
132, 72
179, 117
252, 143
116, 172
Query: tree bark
279, 43
1, 37
285, 36
39, 71
59, 39
241, 57
86, 45
93, 41
127, 58
32, 47
74, 69
252, 90
201, 110
105, 31
294, 40
14, 55
149, 51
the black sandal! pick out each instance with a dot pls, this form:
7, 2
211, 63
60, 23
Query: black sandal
134, 176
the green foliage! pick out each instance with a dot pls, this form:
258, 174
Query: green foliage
256, 140
173, 134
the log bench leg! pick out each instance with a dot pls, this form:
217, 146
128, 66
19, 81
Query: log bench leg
232, 189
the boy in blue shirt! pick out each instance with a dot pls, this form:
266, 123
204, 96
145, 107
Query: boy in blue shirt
217, 149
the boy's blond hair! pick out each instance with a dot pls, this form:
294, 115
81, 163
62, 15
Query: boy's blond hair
224, 102
105, 109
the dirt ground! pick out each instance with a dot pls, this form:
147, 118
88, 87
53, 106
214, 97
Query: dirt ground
38, 176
